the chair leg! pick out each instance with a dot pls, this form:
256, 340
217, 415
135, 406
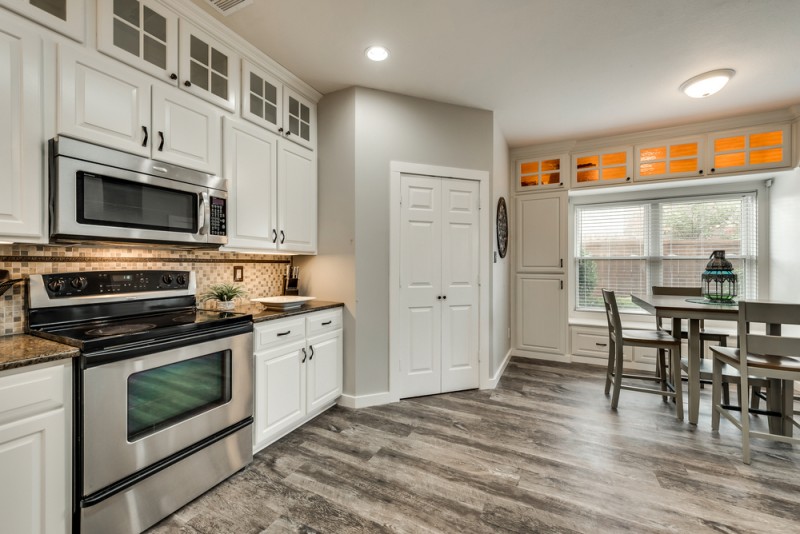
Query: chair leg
617, 375
675, 357
661, 368
755, 399
702, 357
726, 393
745, 414
610, 370
716, 386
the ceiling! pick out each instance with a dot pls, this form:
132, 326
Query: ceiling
550, 70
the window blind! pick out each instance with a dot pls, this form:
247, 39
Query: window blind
631, 246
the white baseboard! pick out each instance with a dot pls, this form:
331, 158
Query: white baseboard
492, 382
365, 401
564, 358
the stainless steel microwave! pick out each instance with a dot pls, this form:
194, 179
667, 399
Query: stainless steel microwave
98, 194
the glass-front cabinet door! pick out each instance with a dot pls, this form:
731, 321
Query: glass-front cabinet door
675, 158
64, 16
141, 33
208, 68
746, 149
299, 118
540, 174
262, 97
602, 167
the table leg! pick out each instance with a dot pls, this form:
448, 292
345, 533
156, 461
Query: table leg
775, 404
788, 407
675, 366
694, 370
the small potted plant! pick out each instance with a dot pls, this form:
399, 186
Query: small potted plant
224, 294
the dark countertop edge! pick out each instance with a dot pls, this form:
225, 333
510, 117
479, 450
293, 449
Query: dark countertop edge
52, 352
261, 314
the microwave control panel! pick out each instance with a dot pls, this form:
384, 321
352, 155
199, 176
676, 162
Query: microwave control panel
218, 216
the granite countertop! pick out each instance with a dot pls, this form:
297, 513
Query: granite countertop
260, 313
21, 349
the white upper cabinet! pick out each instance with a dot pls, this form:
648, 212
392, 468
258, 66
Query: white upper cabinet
21, 135
297, 198
750, 149
599, 167
64, 16
141, 33
299, 119
251, 164
105, 102
266, 101
543, 173
102, 101
541, 232
186, 132
673, 158
207, 68
262, 97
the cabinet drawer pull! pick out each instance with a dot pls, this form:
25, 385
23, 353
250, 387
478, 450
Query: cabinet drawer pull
326, 323
284, 333
601, 344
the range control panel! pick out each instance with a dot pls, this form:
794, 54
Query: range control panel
218, 211
93, 283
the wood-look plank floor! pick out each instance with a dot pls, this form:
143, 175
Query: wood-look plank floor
541, 453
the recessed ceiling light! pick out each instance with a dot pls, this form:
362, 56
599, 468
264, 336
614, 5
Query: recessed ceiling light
377, 53
708, 83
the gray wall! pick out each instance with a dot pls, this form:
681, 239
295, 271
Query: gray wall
501, 270
385, 127
784, 221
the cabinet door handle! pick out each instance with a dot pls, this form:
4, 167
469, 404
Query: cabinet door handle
144, 142
601, 344
283, 237
562, 284
161, 144
280, 130
305, 355
187, 83
438, 297
326, 323
311, 347
274, 236
173, 76
284, 333
444, 297
288, 133
561, 262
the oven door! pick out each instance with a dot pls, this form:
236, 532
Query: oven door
97, 202
140, 410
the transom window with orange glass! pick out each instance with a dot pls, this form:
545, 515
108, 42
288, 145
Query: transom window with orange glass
602, 167
540, 172
754, 148
669, 159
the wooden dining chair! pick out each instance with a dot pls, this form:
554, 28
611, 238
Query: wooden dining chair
771, 356
706, 334
619, 338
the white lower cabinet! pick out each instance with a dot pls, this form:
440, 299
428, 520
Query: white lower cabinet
298, 372
35, 449
541, 313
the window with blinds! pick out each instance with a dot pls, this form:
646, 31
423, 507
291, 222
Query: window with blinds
631, 246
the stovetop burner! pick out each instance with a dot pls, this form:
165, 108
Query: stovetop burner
121, 329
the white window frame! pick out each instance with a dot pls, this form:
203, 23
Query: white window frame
649, 192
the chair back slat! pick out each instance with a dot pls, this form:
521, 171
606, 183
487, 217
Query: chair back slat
677, 291
773, 314
612, 314
773, 345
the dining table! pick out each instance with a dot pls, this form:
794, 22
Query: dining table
695, 310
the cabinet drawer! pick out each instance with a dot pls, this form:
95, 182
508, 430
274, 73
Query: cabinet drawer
593, 342
274, 333
31, 391
326, 321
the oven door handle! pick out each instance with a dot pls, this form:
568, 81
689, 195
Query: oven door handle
202, 213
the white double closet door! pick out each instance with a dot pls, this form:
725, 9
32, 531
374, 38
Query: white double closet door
438, 324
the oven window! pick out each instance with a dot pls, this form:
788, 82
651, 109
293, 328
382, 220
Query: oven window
163, 396
114, 202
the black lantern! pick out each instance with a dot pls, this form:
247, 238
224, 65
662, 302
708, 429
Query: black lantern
719, 282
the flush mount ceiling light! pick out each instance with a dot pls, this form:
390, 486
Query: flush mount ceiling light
377, 53
708, 83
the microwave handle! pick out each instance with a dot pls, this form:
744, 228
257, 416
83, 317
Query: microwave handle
202, 213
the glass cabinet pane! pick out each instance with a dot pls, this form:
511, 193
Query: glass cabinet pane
125, 37
57, 8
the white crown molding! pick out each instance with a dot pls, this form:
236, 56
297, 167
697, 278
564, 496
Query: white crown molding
195, 14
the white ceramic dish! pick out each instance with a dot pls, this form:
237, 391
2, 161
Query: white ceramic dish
287, 302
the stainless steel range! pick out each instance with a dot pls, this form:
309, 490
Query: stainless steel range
164, 395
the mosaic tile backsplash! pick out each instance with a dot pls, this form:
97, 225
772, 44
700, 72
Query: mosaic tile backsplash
262, 274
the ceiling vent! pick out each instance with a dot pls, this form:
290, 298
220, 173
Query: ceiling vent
226, 7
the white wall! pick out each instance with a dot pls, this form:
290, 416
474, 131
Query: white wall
784, 220
361, 132
501, 270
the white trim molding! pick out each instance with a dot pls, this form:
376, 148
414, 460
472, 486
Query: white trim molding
397, 168
365, 401
493, 381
